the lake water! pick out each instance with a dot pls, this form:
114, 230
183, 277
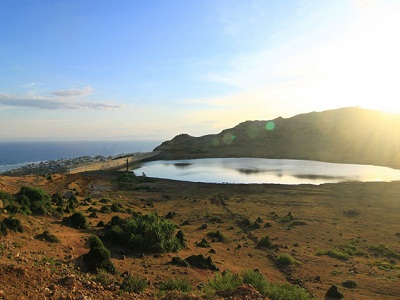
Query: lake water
259, 170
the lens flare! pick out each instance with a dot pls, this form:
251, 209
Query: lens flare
228, 138
270, 125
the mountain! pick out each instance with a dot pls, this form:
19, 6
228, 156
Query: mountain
345, 135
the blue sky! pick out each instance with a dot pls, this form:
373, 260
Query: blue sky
154, 69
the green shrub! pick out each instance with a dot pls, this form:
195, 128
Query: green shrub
14, 224
78, 220
338, 254
134, 284
203, 244
101, 224
181, 238
265, 242
106, 279
37, 200
285, 259
94, 241
98, 257
218, 235
115, 208
383, 250
287, 292
288, 218
179, 284
7, 198
224, 282
144, 233
257, 280
105, 210
3, 229
229, 282
48, 237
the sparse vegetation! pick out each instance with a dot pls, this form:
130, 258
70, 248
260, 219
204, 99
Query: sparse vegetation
228, 282
13, 224
383, 250
218, 236
176, 284
203, 244
134, 284
265, 242
286, 259
343, 252
48, 237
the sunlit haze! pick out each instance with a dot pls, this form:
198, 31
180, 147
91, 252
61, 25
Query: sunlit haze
154, 69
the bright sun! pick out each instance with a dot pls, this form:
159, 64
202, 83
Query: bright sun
361, 68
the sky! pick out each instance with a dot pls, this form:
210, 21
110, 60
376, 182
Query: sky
129, 69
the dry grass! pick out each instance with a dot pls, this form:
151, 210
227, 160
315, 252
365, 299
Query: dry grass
320, 207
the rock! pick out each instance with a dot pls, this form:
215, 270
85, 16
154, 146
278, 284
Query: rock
333, 293
350, 284
199, 261
177, 261
68, 280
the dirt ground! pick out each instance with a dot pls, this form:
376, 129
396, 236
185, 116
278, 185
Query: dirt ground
323, 218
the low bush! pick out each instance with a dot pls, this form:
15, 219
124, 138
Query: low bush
98, 257
286, 259
218, 235
229, 282
105, 210
48, 237
257, 280
34, 199
7, 198
115, 208
383, 250
3, 229
14, 224
105, 278
78, 220
224, 282
288, 218
265, 242
203, 244
134, 284
350, 284
176, 284
287, 292
144, 233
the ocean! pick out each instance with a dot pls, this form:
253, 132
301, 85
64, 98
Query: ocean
14, 154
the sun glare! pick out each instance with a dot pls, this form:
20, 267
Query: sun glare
363, 68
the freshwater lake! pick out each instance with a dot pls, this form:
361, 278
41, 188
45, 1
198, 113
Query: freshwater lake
260, 170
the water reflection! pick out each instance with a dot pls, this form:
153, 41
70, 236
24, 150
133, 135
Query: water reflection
182, 165
258, 170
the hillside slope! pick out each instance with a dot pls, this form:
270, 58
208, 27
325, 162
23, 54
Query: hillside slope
346, 135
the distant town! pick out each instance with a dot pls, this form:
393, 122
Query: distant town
49, 167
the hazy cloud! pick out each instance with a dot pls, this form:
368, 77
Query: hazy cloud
73, 92
52, 103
